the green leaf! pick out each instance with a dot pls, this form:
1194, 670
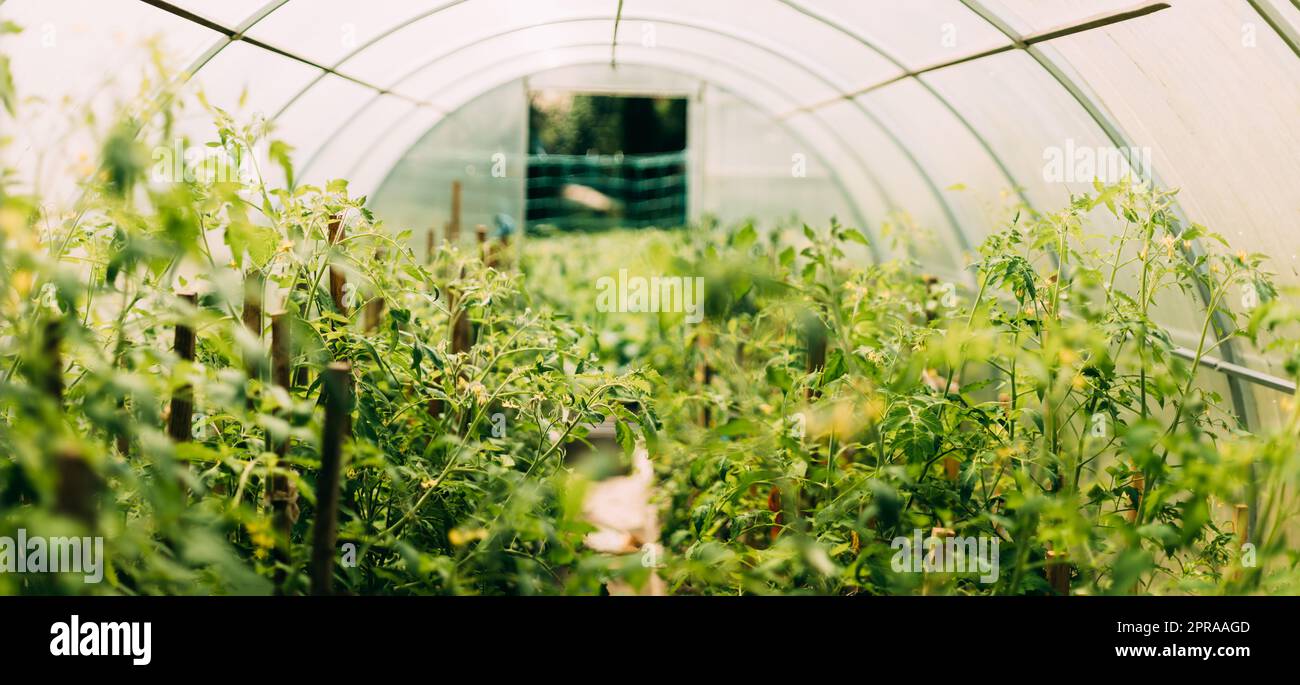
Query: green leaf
745, 237
280, 153
855, 235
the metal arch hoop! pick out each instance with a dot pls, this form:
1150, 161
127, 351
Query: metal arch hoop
1092, 105
962, 242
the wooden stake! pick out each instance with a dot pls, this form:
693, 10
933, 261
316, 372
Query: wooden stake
281, 490
375, 307
180, 418
123, 441
453, 226
951, 468
77, 496
501, 253
252, 315
338, 401
337, 278
1058, 572
776, 505
77, 489
1241, 523
1139, 483
814, 335
51, 364
461, 338
704, 375
252, 318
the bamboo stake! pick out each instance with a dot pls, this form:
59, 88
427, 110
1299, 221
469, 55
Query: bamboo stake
180, 418
338, 401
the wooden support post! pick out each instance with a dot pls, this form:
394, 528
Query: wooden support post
453, 226
480, 237
180, 418
337, 278
337, 387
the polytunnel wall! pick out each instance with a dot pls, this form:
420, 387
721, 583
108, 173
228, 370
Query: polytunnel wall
933, 114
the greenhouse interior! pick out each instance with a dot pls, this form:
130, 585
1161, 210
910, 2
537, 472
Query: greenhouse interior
649, 297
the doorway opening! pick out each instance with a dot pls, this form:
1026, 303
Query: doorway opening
605, 161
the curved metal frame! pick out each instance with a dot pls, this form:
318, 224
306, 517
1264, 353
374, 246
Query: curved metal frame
933, 187
1096, 111
1054, 65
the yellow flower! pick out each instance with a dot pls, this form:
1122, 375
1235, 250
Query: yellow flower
460, 537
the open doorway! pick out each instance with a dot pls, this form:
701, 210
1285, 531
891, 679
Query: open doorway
603, 161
